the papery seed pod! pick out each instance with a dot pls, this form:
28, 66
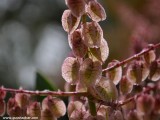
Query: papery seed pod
75, 105
70, 70
2, 93
79, 48
69, 22
96, 11
77, 115
107, 90
10, 104
157, 104
2, 107
114, 75
149, 56
34, 110
15, 111
87, 1
105, 111
101, 53
137, 72
93, 34
81, 87
98, 117
55, 105
145, 104
116, 115
90, 71
126, 85
46, 114
155, 70
77, 7
133, 115
92, 90
22, 99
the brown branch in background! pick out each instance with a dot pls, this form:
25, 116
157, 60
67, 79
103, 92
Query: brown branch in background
45, 92
133, 57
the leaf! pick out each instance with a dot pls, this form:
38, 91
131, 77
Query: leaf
69, 22
107, 90
114, 75
79, 48
42, 83
96, 11
92, 34
100, 54
90, 71
77, 7
70, 70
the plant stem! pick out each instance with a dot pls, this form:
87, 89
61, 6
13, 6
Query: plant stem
45, 92
132, 57
92, 107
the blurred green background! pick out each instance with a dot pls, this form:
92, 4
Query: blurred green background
32, 38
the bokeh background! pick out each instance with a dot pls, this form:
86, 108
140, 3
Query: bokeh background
32, 38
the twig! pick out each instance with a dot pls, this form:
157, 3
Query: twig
133, 57
45, 92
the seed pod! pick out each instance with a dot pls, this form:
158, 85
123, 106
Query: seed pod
100, 54
55, 105
126, 85
69, 22
107, 90
77, 7
75, 105
15, 111
98, 117
22, 100
81, 87
105, 111
133, 115
96, 11
93, 34
34, 110
114, 75
90, 71
79, 48
70, 70
46, 114
145, 104
157, 104
150, 56
116, 115
10, 104
137, 72
2, 107
77, 115
2, 93
155, 70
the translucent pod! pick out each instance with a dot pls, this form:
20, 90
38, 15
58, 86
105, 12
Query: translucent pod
116, 115
34, 109
90, 71
114, 75
107, 90
69, 22
46, 114
92, 34
2, 107
70, 70
22, 99
77, 7
137, 72
149, 56
133, 115
96, 11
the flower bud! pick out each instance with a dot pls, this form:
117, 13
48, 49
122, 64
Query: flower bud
77, 7
2, 107
22, 99
145, 104
34, 110
55, 105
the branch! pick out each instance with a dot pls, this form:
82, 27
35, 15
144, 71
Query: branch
133, 57
45, 92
